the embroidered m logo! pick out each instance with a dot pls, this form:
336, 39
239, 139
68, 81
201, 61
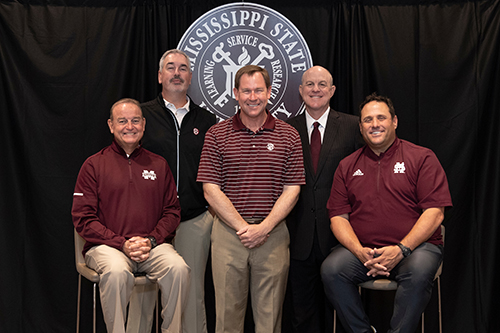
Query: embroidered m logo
148, 174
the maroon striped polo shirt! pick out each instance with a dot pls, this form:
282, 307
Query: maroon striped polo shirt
252, 168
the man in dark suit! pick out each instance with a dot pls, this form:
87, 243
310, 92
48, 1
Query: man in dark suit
327, 137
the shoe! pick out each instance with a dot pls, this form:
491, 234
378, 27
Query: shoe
374, 330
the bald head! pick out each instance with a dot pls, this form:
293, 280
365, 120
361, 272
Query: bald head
316, 90
315, 71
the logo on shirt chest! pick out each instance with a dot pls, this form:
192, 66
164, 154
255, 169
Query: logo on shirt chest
399, 167
358, 173
149, 174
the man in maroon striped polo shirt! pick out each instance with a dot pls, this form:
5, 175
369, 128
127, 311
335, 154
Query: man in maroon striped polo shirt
251, 168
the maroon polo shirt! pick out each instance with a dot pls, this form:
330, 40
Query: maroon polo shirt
385, 195
252, 168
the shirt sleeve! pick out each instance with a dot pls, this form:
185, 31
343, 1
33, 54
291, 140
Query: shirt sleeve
85, 210
432, 184
295, 172
171, 212
210, 168
338, 202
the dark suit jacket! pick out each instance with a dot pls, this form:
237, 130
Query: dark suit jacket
341, 138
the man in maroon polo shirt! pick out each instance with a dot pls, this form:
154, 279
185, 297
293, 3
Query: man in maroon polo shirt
251, 168
386, 206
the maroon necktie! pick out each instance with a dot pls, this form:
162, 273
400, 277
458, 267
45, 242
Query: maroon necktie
315, 145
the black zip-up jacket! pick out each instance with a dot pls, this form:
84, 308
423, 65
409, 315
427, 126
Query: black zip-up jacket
180, 147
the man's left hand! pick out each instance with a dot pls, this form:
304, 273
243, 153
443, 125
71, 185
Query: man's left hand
384, 260
253, 235
138, 248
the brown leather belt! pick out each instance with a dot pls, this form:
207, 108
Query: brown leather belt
254, 221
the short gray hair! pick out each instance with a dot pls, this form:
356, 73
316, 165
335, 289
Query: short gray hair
174, 51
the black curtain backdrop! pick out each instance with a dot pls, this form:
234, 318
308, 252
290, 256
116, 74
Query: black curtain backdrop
63, 64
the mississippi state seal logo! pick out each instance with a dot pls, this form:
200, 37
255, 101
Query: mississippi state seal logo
231, 36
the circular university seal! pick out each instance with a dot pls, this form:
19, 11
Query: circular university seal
231, 36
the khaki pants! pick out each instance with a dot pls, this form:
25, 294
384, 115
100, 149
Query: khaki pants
192, 242
237, 270
116, 270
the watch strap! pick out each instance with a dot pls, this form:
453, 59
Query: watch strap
405, 250
153, 241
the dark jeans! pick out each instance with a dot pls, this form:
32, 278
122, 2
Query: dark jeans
342, 272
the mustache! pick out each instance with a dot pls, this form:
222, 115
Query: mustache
177, 78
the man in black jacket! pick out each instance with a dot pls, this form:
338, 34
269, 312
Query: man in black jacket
176, 131
310, 236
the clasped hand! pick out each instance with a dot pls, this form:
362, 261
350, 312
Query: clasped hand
252, 235
381, 261
137, 248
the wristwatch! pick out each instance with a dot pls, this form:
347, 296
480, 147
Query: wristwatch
405, 250
152, 240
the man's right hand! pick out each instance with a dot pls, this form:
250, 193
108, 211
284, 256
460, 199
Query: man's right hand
253, 235
369, 258
137, 248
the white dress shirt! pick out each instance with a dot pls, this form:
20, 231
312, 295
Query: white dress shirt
322, 124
